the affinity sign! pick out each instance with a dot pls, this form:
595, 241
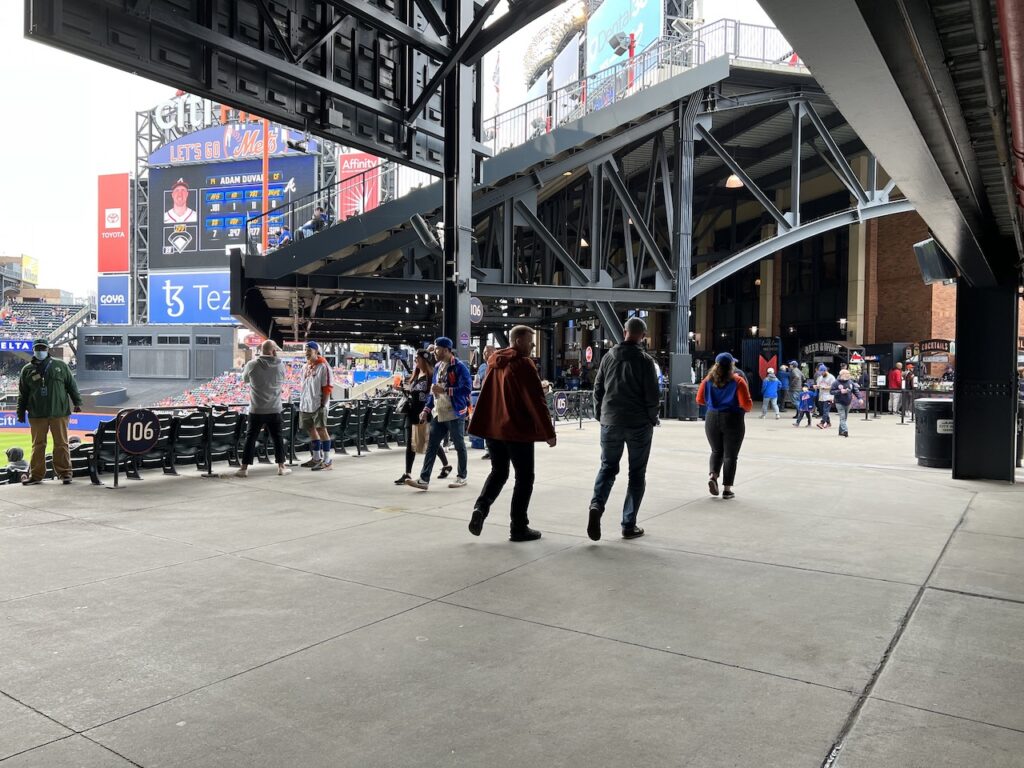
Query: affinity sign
190, 298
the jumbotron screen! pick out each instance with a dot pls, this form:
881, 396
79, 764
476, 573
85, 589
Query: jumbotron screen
197, 210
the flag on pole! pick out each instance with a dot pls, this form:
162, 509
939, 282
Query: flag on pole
496, 79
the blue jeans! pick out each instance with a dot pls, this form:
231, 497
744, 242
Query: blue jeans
637, 442
770, 402
844, 414
825, 408
438, 431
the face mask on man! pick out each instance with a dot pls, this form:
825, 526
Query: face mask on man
41, 354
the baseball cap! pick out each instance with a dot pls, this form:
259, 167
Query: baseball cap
822, 367
313, 345
725, 357
444, 341
179, 183
41, 343
771, 370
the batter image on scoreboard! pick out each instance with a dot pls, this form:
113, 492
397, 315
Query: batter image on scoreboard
180, 212
227, 204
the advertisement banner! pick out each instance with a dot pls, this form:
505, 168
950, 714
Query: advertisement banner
77, 422
643, 18
358, 185
112, 300
195, 211
30, 270
112, 239
16, 345
190, 298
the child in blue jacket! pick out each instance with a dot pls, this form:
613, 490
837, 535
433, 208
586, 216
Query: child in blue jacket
804, 405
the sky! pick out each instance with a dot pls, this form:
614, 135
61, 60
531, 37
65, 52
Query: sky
68, 120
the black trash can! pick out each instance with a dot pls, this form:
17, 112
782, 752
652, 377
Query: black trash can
933, 420
686, 402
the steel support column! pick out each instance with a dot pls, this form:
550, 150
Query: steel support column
682, 248
458, 185
985, 389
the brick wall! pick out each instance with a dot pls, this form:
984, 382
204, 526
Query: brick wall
898, 305
903, 302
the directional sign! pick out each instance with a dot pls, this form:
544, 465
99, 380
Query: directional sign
476, 310
139, 431
463, 339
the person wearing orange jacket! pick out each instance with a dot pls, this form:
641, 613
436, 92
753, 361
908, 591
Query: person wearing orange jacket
727, 397
511, 415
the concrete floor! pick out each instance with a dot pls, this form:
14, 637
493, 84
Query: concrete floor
846, 596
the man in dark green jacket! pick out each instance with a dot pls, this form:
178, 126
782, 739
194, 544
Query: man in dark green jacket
46, 392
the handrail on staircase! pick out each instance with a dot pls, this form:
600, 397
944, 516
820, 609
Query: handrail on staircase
661, 60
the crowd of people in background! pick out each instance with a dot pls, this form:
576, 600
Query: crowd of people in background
30, 318
231, 388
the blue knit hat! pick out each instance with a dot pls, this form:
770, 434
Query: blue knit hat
725, 357
444, 341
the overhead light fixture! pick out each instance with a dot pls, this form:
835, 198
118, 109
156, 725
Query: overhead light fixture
842, 322
584, 243
757, 281
733, 182
567, 173
753, 330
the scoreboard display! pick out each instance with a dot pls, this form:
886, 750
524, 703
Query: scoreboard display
195, 211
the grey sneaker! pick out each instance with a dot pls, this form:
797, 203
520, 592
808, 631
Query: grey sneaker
242, 473
415, 482
458, 482
323, 466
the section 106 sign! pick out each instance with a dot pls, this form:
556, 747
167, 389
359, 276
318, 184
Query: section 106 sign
138, 431
476, 310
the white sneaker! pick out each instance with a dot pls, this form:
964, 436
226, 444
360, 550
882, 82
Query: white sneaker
458, 482
283, 471
415, 482
242, 473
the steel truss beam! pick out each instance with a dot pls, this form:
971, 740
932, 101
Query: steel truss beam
784, 239
748, 182
377, 17
630, 207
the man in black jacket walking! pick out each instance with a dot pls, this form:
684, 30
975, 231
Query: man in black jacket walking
626, 398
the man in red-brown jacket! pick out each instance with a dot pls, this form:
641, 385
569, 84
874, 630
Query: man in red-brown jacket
511, 415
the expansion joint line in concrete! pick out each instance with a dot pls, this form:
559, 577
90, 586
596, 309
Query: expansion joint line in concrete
832, 757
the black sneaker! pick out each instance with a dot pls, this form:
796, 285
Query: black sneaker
728, 495
524, 534
594, 523
66, 480
632, 533
713, 486
476, 522
30, 481
310, 463
401, 480
445, 471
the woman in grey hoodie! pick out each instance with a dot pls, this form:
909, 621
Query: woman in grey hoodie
264, 375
